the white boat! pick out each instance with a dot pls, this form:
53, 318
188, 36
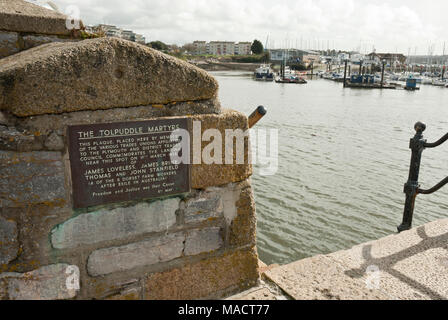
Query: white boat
439, 83
426, 80
264, 73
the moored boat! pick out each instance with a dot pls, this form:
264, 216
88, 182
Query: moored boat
264, 73
289, 77
439, 83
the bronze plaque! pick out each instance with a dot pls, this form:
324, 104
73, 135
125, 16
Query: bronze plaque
125, 161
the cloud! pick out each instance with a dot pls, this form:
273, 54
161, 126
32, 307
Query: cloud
347, 24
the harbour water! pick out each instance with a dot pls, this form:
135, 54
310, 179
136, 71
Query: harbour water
343, 161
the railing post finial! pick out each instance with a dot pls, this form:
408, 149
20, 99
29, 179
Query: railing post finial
420, 127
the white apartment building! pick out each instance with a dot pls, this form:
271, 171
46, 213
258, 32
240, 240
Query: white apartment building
110, 31
221, 48
243, 48
114, 31
140, 39
128, 35
200, 47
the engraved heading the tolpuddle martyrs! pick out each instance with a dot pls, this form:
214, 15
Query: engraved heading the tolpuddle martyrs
114, 162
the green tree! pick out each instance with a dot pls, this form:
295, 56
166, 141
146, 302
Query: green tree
257, 47
158, 45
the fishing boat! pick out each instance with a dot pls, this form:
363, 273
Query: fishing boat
264, 73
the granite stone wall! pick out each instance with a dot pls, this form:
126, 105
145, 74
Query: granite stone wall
199, 244
24, 25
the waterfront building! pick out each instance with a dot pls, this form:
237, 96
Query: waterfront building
221, 48
293, 54
390, 58
109, 30
200, 47
128, 35
114, 31
243, 48
310, 58
140, 39
356, 58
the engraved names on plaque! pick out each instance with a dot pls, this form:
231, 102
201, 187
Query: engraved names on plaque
126, 161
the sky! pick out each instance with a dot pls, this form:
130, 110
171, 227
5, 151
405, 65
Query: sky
406, 26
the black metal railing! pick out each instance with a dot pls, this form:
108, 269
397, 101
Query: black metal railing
412, 187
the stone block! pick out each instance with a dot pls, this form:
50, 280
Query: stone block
206, 175
22, 16
31, 177
116, 224
243, 226
51, 282
33, 40
94, 74
8, 43
13, 140
45, 125
207, 205
9, 244
211, 278
204, 240
238, 207
134, 255
54, 142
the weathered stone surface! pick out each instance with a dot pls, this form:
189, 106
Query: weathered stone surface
127, 294
54, 142
8, 43
207, 205
34, 131
411, 265
46, 283
243, 226
9, 244
116, 224
13, 140
97, 74
206, 175
33, 40
320, 278
234, 202
260, 293
140, 254
22, 16
204, 240
264, 291
210, 278
33, 177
